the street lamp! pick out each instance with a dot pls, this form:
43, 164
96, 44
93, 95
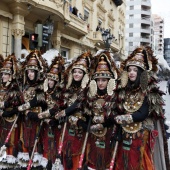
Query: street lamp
107, 38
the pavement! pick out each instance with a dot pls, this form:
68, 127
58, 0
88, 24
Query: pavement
166, 98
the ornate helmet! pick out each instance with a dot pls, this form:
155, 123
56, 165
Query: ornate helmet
83, 62
145, 54
34, 61
56, 68
9, 66
136, 62
56, 71
104, 68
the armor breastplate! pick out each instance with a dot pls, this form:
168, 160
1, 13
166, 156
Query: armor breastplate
98, 107
72, 99
3, 95
98, 111
29, 94
133, 102
49, 100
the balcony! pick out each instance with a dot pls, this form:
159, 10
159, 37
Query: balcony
145, 39
77, 25
145, 30
97, 36
145, 11
146, 3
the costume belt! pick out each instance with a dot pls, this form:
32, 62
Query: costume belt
36, 109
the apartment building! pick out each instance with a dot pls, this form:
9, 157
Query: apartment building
158, 28
74, 25
138, 24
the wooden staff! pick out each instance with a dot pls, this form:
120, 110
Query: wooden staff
35, 144
115, 148
62, 138
113, 157
84, 145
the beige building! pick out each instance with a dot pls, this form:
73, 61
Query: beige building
158, 29
72, 33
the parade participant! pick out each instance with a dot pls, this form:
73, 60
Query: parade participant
34, 97
161, 156
100, 107
53, 86
9, 100
77, 78
140, 104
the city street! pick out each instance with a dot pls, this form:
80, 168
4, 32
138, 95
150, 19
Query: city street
166, 107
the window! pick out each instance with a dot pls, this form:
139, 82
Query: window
130, 43
131, 16
130, 25
86, 14
65, 53
131, 7
130, 34
99, 26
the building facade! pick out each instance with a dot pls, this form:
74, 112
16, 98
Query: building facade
167, 50
77, 25
138, 24
158, 28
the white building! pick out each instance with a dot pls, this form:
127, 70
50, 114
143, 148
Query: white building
138, 24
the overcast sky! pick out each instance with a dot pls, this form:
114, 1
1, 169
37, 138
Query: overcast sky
162, 8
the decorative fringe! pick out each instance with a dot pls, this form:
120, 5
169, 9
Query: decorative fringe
44, 162
9, 162
125, 158
69, 162
100, 162
57, 165
37, 159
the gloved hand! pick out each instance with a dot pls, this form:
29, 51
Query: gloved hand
1, 105
98, 119
95, 128
73, 120
1, 112
44, 114
124, 119
24, 107
60, 114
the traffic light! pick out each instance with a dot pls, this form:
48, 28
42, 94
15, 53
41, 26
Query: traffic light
33, 41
